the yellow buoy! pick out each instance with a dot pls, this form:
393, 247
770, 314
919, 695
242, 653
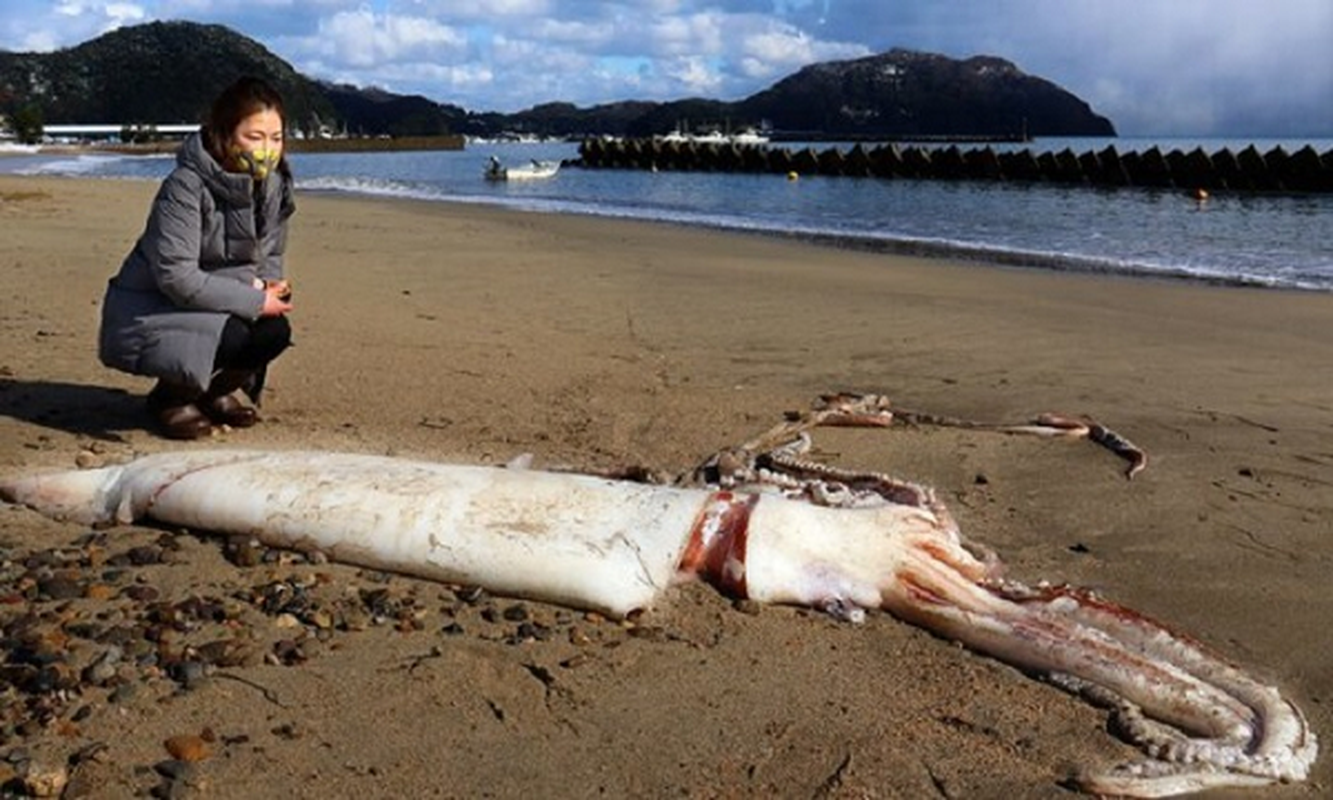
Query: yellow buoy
791, 176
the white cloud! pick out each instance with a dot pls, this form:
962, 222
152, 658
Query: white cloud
73, 9
690, 36
363, 39
595, 34
125, 13
693, 74
782, 49
494, 11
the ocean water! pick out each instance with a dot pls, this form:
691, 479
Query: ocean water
1281, 241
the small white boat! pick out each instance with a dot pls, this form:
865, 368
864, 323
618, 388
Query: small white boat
497, 171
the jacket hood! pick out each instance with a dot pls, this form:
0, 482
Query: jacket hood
231, 185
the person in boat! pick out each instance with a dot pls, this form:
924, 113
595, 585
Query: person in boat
201, 301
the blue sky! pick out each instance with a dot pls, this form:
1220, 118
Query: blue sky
1155, 67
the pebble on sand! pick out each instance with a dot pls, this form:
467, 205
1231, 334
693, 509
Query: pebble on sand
188, 747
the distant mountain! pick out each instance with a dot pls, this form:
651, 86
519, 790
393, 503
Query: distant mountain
162, 72
166, 72
904, 93
375, 112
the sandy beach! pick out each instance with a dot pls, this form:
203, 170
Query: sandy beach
475, 335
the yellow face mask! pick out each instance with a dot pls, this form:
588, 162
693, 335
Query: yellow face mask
258, 163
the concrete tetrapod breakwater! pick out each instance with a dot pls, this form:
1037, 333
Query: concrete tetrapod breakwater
1248, 170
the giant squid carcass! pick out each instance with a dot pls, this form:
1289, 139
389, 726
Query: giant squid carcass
756, 522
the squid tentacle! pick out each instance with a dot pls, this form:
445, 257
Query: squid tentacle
1202, 721
1275, 732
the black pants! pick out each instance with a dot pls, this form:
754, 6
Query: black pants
251, 345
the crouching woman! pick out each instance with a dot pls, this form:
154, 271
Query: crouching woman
201, 301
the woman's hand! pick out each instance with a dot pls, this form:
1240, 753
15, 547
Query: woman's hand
277, 299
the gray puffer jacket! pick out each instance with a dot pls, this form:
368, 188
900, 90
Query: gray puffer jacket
209, 235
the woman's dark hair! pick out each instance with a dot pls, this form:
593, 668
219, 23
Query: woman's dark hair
246, 96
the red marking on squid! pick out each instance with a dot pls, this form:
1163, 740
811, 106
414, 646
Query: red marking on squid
718, 555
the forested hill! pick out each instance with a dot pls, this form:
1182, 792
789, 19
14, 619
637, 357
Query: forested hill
168, 72
904, 93
162, 72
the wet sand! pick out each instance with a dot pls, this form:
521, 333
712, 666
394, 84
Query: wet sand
475, 335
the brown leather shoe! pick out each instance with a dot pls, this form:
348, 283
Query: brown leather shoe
173, 408
227, 410
220, 403
183, 422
